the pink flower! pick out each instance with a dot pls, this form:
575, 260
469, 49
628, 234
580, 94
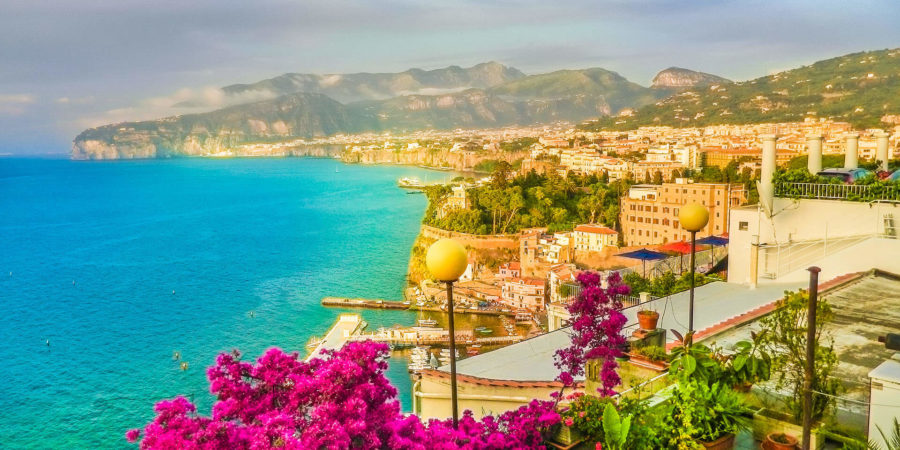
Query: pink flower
599, 446
569, 421
133, 435
581, 414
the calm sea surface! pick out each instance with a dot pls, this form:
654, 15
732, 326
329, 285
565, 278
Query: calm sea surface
120, 264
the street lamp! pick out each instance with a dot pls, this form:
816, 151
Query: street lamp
693, 217
447, 260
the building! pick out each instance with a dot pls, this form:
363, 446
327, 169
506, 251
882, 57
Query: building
649, 213
510, 270
458, 199
594, 238
721, 157
643, 170
524, 293
557, 248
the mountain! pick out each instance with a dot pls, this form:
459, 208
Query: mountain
290, 116
678, 78
508, 98
601, 84
378, 86
859, 88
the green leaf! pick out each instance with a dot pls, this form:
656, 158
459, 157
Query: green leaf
612, 426
739, 361
690, 365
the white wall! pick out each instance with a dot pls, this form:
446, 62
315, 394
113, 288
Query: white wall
799, 220
885, 399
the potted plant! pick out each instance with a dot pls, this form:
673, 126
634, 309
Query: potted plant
708, 415
647, 319
652, 355
749, 364
690, 361
780, 441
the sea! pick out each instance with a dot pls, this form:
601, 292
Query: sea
107, 269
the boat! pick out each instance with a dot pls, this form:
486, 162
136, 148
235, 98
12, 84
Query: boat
483, 330
419, 359
427, 322
472, 351
410, 183
523, 316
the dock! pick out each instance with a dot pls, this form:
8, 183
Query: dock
344, 329
378, 303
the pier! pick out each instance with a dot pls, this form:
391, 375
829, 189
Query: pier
344, 329
345, 302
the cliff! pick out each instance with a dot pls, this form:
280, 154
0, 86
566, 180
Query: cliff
677, 78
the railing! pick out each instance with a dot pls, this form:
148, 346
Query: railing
678, 264
851, 192
783, 258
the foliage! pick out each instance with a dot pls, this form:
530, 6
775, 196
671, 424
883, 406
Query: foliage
615, 428
786, 340
838, 88
653, 353
704, 412
891, 436
665, 284
586, 415
517, 145
596, 331
340, 401
750, 363
693, 361
511, 203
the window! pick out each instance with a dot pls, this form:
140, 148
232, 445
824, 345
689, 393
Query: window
743, 226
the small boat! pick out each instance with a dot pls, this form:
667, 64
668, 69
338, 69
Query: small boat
523, 316
472, 351
483, 330
407, 303
427, 322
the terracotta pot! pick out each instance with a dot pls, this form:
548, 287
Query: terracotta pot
648, 319
772, 444
723, 443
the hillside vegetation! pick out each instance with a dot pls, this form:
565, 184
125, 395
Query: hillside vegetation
859, 88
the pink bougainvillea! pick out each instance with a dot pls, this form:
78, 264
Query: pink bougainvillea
596, 331
340, 401
343, 400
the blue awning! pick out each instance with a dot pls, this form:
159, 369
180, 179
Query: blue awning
644, 255
717, 241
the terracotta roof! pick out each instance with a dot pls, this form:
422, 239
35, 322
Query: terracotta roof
598, 229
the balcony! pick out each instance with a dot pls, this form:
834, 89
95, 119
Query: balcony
848, 192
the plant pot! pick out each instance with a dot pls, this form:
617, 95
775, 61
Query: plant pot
567, 435
723, 443
771, 444
648, 319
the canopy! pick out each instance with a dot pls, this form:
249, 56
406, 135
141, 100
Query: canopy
676, 247
643, 255
718, 241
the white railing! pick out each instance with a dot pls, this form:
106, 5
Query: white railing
783, 258
853, 192
676, 264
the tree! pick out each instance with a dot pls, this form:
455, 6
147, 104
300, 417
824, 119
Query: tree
502, 171
658, 177
786, 340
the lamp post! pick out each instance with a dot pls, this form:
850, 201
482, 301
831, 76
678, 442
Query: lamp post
447, 260
693, 218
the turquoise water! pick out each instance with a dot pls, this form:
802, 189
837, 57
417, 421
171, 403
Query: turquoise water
92, 252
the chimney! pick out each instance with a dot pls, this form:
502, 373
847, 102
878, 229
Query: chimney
814, 151
766, 188
852, 155
881, 154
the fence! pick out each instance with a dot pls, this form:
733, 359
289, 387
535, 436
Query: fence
678, 265
851, 192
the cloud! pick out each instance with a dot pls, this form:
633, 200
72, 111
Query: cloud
182, 101
15, 104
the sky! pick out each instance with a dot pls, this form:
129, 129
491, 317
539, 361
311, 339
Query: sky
66, 65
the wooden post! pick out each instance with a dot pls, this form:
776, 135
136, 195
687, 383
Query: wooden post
810, 354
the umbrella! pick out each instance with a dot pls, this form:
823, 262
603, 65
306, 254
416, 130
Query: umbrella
644, 255
715, 241
680, 247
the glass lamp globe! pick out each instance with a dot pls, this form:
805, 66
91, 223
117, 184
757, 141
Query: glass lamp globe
693, 217
446, 260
